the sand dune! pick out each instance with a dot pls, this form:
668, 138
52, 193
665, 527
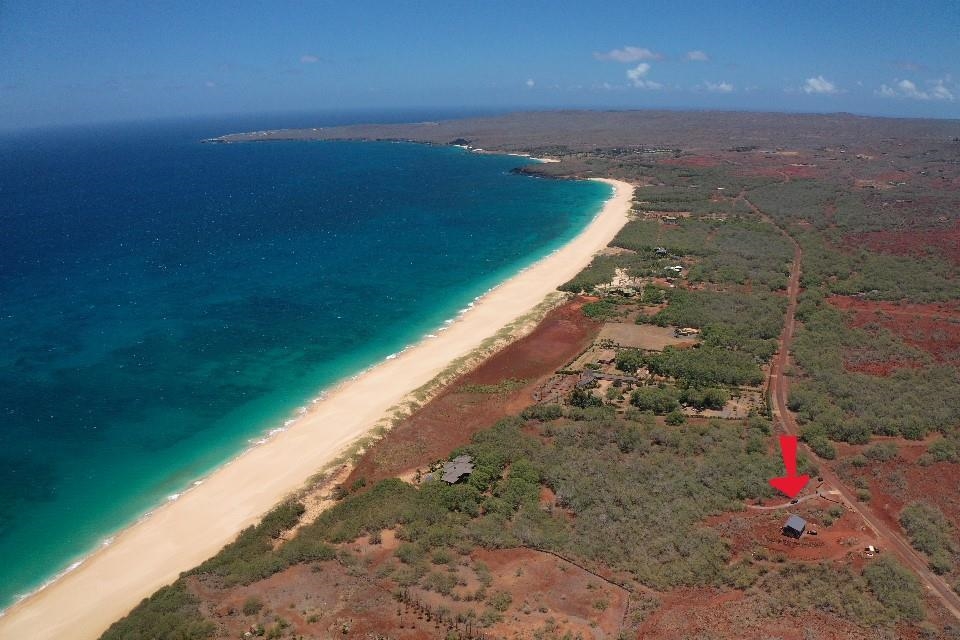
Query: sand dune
183, 533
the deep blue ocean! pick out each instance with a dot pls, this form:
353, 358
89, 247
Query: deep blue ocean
164, 302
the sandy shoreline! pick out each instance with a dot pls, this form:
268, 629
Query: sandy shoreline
183, 533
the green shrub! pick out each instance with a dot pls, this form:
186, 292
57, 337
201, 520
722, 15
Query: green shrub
252, 606
660, 401
823, 448
929, 531
629, 360
881, 451
439, 581
896, 587
675, 418
543, 412
704, 398
706, 367
500, 600
601, 310
251, 557
583, 398
945, 450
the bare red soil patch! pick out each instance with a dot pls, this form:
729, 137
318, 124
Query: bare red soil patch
874, 368
758, 534
934, 328
450, 419
893, 176
943, 242
348, 598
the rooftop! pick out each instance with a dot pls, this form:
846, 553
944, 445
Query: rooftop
454, 470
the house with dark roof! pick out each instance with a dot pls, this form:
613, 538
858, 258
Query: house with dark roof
457, 469
794, 526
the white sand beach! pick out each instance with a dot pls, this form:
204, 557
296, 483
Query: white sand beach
184, 532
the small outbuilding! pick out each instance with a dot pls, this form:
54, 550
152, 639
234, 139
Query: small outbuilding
794, 527
587, 378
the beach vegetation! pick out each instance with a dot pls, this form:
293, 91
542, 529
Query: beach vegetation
593, 463
601, 310
172, 613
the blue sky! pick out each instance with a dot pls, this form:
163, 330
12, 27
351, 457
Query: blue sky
74, 62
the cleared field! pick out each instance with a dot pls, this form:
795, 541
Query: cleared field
642, 336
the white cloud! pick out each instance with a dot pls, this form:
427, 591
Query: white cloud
938, 90
628, 54
530, 82
637, 77
309, 59
819, 85
638, 71
886, 92
718, 87
697, 56
910, 90
210, 84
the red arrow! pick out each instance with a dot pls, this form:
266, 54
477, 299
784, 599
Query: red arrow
790, 484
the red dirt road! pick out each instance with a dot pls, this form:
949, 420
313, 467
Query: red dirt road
779, 387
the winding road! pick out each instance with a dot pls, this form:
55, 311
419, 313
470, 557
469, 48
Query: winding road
779, 388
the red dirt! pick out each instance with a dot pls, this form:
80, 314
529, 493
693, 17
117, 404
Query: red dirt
711, 613
450, 419
895, 483
944, 242
893, 176
934, 328
691, 161
759, 531
879, 369
332, 599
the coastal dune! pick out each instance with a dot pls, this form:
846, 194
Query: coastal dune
185, 532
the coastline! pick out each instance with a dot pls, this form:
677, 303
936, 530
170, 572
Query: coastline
180, 534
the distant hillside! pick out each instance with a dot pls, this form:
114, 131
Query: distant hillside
587, 130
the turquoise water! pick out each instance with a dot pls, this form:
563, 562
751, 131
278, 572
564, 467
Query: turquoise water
165, 302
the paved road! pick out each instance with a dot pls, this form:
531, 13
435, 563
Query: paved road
778, 388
